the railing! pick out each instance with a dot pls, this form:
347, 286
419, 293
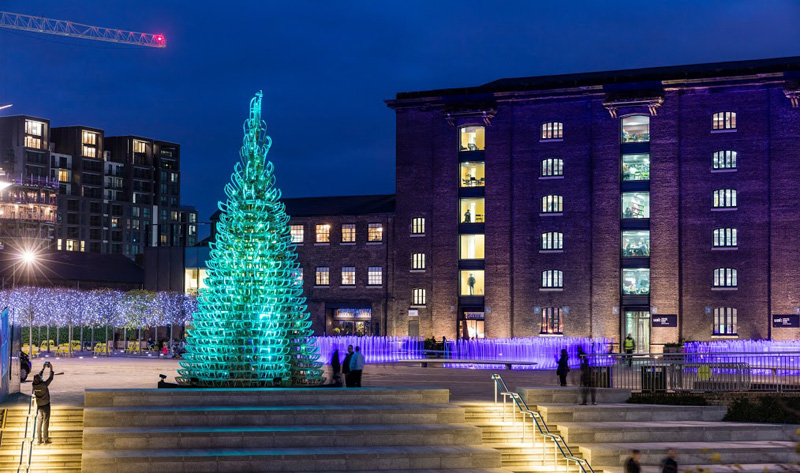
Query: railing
537, 424
32, 414
698, 372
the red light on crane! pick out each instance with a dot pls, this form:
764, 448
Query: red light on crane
159, 38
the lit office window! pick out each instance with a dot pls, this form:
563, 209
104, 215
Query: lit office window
89, 138
636, 244
552, 167
472, 282
323, 233
725, 322
552, 241
472, 210
375, 276
725, 277
636, 129
725, 160
635, 205
32, 142
471, 138
635, 167
418, 261
551, 320
723, 121
552, 204
725, 238
323, 276
34, 128
471, 246
725, 198
139, 146
297, 233
348, 276
375, 232
418, 296
348, 233
636, 281
552, 278
473, 174
418, 226
552, 131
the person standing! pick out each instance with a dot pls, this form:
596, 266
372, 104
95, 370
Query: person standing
336, 369
632, 463
348, 377
357, 366
42, 394
629, 345
563, 367
587, 382
471, 284
669, 464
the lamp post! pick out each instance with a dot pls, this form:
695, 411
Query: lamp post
27, 258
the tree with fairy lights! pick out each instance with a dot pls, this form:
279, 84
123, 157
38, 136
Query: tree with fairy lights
251, 328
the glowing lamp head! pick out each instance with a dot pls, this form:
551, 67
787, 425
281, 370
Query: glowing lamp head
28, 257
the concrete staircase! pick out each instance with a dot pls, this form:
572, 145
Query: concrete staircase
61, 456
258, 430
605, 434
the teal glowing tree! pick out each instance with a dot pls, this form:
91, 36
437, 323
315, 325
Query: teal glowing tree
252, 328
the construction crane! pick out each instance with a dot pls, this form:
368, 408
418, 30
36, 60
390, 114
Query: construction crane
39, 24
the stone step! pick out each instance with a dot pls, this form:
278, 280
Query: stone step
571, 395
713, 468
673, 431
265, 396
106, 438
273, 415
288, 459
614, 454
560, 413
572, 468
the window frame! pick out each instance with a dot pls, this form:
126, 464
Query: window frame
293, 232
725, 278
551, 241
322, 276
552, 316
551, 131
348, 233
348, 276
467, 148
419, 297
552, 279
725, 237
725, 198
372, 273
418, 226
418, 262
550, 202
622, 128
723, 121
322, 234
371, 232
551, 168
729, 160
725, 318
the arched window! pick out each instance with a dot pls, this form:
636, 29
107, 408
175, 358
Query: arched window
552, 279
471, 138
725, 159
552, 204
725, 238
723, 121
725, 277
552, 167
725, 198
635, 129
552, 131
552, 241
551, 320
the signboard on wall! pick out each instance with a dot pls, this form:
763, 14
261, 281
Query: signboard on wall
785, 321
664, 320
413, 312
473, 315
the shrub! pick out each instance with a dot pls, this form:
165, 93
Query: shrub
768, 409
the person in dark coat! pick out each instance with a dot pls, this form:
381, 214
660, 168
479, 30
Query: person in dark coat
349, 382
336, 368
587, 381
669, 464
42, 394
632, 463
563, 367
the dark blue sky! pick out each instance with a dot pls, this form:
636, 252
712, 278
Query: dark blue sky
326, 68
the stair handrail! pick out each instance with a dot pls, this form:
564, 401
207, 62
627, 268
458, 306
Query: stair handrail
25, 436
538, 423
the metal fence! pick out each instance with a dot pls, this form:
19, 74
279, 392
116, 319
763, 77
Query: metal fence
698, 372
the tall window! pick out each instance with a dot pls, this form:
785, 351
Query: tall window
551, 320
34, 128
725, 322
552, 278
348, 233
725, 238
471, 210
31, 142
552, 167
725, 277
418, 261
375, 232
636, 281
297, 233
725, 160
725, 198
375, 276
635, 129
723, 121
89, 144
552, 241
471, 246
636, 244
138, 146
418, 226
635, 167
552, 131
552, 204
323, 276
472, 281
348, 276
471, 138
418, 296
473, 174
635, 205
323, 233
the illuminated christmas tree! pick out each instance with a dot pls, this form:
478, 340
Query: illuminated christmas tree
252, 328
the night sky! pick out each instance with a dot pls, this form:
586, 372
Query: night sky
327, 67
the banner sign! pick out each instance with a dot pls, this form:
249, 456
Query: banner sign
665, 320
786, 321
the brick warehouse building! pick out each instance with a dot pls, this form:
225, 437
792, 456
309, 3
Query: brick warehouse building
660, 202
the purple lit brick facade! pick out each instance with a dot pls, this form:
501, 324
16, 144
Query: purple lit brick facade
600, 297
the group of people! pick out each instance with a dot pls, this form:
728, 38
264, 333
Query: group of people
588, 381
352, 367
668, 465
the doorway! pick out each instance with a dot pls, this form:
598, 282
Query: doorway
637, 323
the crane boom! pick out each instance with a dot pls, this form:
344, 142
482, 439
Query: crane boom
77, 30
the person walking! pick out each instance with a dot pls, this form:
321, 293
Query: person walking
563, 367
42, 394
669, 464
357, 366
336, 368
632, 463
629, 345
587, 381
348, 377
